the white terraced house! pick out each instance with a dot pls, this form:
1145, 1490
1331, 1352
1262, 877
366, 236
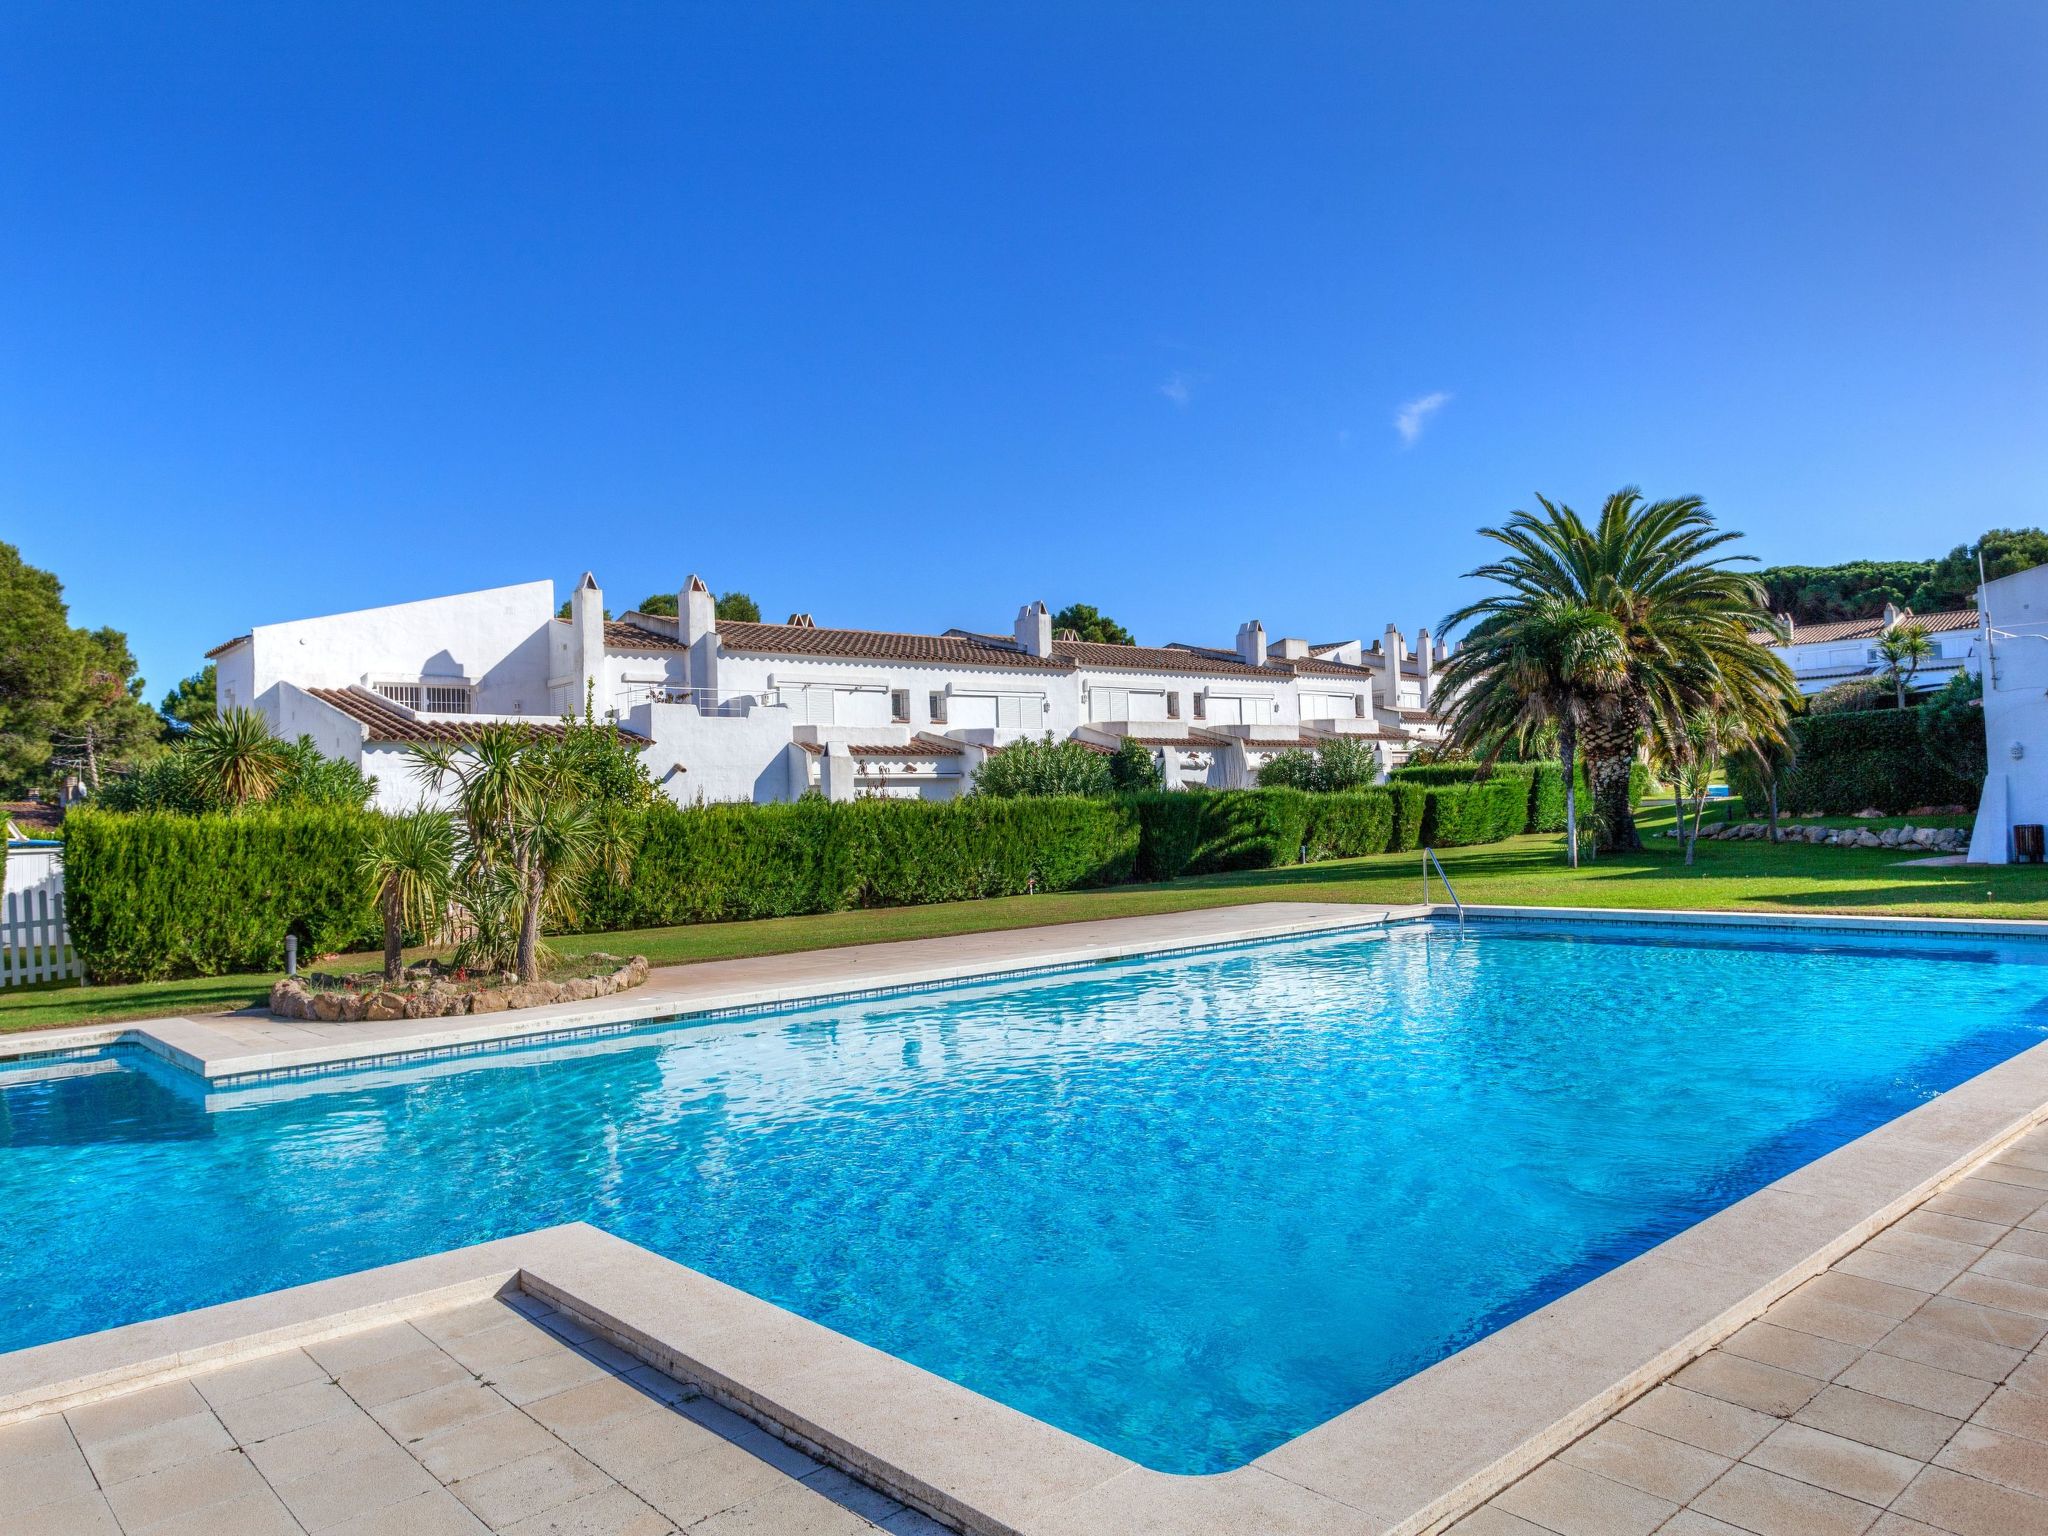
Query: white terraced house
1821, 655
767, 712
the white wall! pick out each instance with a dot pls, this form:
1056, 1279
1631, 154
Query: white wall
501, 638
34, 871
2015, 711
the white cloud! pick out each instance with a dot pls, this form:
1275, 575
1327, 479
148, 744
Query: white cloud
1179, 388
1414, 416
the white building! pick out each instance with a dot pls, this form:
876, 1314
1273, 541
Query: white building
765, 712
1822, 655
2013, 642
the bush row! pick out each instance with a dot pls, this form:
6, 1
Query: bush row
1863, 760
155, 894
1543, 786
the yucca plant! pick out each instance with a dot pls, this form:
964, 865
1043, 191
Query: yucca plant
236, 758
410, 863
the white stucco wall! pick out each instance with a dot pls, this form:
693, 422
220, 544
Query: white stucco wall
500, 638
2015, 711
34, 872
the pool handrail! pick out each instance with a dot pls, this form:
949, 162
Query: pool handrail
1428, 858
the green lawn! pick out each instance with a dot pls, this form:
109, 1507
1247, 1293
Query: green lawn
1741, 876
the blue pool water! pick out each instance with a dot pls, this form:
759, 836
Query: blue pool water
1186, 1208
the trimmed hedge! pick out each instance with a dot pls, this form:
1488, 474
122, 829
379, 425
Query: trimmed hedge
155, 895
718, 863
1350, 824
1544, 782
1459, 815
1861, 760
1411, 804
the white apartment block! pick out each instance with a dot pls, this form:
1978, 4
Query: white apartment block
1821, 655
728, 711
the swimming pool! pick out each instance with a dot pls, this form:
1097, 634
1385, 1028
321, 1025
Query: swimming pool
1186, 1207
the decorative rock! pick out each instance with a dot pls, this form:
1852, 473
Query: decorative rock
429, 993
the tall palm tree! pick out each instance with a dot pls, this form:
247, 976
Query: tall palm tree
1531, 664
410, 863
1684, 617
1902, 650
525, 820
237, 759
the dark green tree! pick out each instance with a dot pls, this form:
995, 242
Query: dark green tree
733, 607
1036, 769
189, 703
1090, 624
1133, 768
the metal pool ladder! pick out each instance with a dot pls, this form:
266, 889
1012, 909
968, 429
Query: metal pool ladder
1429, 858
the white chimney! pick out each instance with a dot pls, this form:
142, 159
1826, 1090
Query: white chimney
586, 619
1395, 649
1034, 629
696, 611
1290, 649
1892, 615
1425, 658
1251, 643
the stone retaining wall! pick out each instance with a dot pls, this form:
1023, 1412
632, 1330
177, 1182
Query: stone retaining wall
1930, 839
437, 996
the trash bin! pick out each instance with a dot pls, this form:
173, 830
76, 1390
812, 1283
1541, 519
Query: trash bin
2026, 842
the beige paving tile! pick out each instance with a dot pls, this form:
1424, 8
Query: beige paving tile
1624, 1453
181, 1489
1750, 1383
638, 1444
1848, 1467
1690, 1522
490, 1350
1986, 1200
460, 1322
1995, 1457
250, 1419
787, 1509
1924, 1245
868, 1503
347, 1489
132, 1411
1773, 1505
1574, 1502
1897, 1302
529, 1486
2022, 1240
1890, 1426
151, 1450
538, 1376
608, 1512
24, 1485
438, 1410
1790, 1350
1711, 1423
303, 1452
1809, 1312
585, 1411
2015, 1413
480, 1444
1913, 1340
33, 1439
252, 1514
1956, 1229
1893, 1524
1969, 1506
84, 1515
372, 1346
2008, 1264
407, 1375
1922, 1386
1492, 1520
1994, 1291
2032, 1377
435, 1513
254, 1378
1994, 1325
2005, 1171
715, 1477
1918, 1271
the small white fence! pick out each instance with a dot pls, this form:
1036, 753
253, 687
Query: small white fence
34, 943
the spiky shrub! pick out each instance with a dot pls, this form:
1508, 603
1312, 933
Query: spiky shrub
1038, 769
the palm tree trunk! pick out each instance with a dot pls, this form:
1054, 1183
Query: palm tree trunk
529, 927
1610, 748
1774, 807
394, 934
1686, 836
1567, 753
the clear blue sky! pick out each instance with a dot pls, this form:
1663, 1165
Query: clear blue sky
907, 313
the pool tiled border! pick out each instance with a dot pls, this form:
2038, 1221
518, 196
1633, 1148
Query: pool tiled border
1404, 1463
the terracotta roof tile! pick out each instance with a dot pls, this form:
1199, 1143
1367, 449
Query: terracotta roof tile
385, 721
228, 645
1869, 629
878, 645
920, 745
619, 635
